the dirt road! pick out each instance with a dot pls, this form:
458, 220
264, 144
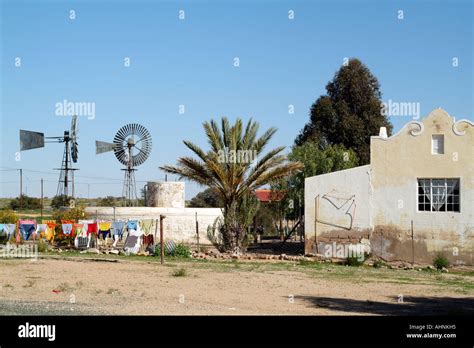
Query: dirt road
78, 286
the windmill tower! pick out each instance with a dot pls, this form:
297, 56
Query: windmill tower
131, 146
66, 176
32, 140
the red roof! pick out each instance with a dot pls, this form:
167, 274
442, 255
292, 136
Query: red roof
266, 196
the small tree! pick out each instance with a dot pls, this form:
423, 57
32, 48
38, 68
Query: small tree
60, 201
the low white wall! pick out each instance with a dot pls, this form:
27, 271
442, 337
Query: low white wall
179, 224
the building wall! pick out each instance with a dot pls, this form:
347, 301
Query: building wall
336, 207
179, 224
165, 194
397, 162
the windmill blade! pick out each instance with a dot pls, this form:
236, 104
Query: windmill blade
73, 134
31, 140
103, 146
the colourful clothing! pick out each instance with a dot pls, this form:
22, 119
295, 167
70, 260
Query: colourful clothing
67, 229
41, 229
27, 228
146, 226
10, 230
50, 232
132, 225
117, 227
91, 228
105, 226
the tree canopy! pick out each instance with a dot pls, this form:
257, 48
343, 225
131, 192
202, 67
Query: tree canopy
349, 114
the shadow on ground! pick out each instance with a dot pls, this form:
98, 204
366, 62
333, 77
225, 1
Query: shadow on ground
411, 305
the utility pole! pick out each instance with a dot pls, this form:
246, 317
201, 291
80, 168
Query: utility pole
41, 199
21, 189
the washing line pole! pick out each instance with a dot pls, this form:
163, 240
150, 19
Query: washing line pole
41, 199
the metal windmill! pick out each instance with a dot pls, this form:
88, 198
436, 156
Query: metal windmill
33, 140
132, 146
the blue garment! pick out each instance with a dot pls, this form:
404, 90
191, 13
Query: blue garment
117, 228
132, 225
104, 234
67, 228
27, 230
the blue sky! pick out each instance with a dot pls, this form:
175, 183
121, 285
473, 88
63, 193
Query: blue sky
190, 62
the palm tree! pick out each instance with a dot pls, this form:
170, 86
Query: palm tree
233, 168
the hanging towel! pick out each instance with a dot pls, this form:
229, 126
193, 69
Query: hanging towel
10, 230
67, 229
27, 229
117, 227
148, 240
146, 225
104, 226
91, 228
50, 231
41, 229
78, 229
132, 225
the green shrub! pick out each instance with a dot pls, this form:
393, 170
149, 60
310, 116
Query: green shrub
42, 246
26, 203
61, 201
379, 264
74, 214
180, 272
180, 250
354, 261
440, 261
8, 216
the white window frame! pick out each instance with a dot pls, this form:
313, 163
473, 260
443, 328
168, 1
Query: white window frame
431, 195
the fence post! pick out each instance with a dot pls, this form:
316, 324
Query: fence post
316, 201
412, 245
162, 248
197, 233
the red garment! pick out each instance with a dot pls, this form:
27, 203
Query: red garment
147, 240
91, 228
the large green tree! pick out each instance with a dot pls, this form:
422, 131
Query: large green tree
232, 178
349, 114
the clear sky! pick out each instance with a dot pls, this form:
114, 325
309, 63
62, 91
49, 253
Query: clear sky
190, 62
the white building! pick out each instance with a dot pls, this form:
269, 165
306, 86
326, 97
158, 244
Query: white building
423, 176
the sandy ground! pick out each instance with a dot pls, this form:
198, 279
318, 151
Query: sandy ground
148, 288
